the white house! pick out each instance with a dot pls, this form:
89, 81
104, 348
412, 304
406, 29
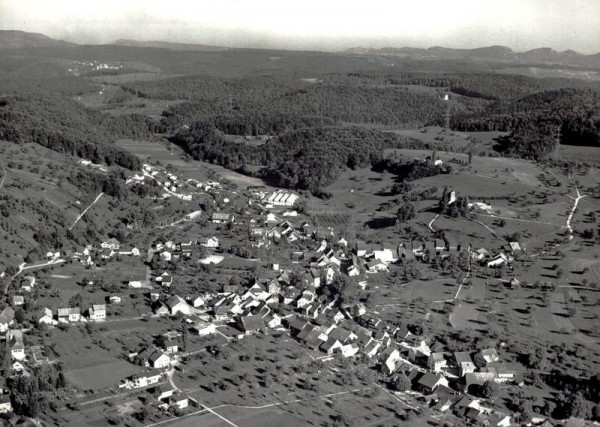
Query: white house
114, 299
436, 361
17, 346
349, 350
203, 328
111, 243
176, 304
159, 360
46, 317
498, 260
5, 405
70, 314
386, 255
97, 312
211, 242
197, 302
7, 317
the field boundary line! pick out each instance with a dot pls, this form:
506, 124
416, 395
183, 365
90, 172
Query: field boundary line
85, 210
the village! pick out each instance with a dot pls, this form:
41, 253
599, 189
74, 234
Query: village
259, 267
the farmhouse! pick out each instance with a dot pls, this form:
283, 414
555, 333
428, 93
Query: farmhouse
17, 346
46, 317
203, 328
436, 361
349, 350
135, 283
176, 304
389, 358
480, 254
70, 314
221, 218
385, 255
210, 242
498, 260
464, 362
139, 381
153, 357
111, 243
490, 355
7, 317
5, 405
159, 360
251, 325
430, 381
376, 266
97, 312
171, 345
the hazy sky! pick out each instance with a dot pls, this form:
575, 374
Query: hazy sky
316, 24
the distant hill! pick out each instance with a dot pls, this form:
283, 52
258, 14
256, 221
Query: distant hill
169, 45
492, 53
10, 39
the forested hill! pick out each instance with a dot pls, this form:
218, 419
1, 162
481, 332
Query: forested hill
63, 125
309, 158
256, 97
540, 121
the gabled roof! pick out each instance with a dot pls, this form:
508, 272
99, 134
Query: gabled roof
430, 379
157, 355
252, 323
67, 311
7, 315
174, 301
437, 357
298, 323
220, 216
463, 357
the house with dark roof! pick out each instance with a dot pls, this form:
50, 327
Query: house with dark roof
430, 381
464, 362
250, 325
7, 317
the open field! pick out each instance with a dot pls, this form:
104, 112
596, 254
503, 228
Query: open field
590, 155
169, 154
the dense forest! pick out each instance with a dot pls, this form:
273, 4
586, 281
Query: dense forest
540, 121
63, 125
530, 108
486, 86
309, 158
269, 101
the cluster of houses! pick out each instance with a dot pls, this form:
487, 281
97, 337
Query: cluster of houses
96, 312
14, 337
170, 182
171, 251
90, 255
165, 396
349, 331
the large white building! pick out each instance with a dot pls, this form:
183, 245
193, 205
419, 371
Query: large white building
282, 198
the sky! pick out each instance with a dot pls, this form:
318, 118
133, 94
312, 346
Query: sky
316, 24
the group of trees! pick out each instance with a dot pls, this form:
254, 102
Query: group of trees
453, 208
63, 125
308, 158
408, 170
